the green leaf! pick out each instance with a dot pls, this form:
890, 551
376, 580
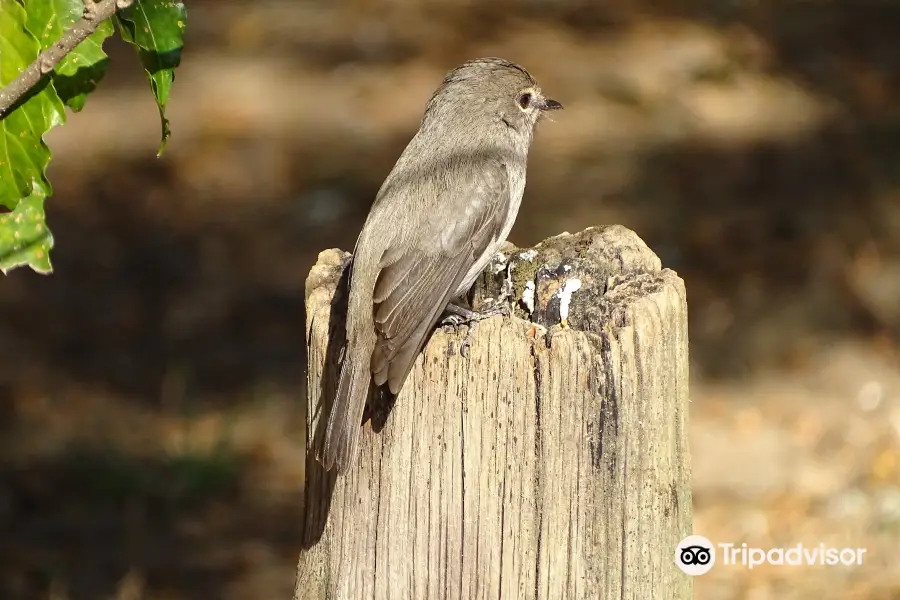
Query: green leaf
156, 28
79, 72
23, 154
24, 237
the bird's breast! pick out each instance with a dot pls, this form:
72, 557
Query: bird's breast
517, 188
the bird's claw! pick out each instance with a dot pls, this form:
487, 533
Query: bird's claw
467, 341
452, 320
457, 315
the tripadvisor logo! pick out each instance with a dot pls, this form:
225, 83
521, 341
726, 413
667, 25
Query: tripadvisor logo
696, 555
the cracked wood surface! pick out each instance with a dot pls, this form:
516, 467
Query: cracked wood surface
549, 463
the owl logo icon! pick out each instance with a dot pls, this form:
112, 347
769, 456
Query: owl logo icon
695, 555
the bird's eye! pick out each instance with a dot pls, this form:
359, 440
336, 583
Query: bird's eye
525, 100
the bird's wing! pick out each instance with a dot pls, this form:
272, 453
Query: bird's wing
414, 287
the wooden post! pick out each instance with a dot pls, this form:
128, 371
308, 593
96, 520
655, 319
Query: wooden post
551, 462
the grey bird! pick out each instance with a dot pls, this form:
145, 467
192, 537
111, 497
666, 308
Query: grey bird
440, 216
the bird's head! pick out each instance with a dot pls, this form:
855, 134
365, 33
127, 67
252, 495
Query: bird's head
491, 90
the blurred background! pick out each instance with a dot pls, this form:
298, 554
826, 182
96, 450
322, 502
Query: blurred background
150, 388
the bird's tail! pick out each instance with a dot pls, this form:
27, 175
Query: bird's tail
342, 431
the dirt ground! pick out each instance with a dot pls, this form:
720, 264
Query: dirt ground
149, 388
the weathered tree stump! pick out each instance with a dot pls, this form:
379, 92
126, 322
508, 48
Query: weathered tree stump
550, 462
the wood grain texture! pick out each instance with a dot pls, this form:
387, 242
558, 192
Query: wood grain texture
550, 463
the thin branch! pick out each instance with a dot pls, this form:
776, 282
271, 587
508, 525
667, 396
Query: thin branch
95, 12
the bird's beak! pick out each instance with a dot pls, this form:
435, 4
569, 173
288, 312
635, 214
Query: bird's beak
550, 104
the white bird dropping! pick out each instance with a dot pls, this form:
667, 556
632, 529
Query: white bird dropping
528, 296
499, 263
565, 297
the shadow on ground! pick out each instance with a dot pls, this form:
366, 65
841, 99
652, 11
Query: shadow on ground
88, 518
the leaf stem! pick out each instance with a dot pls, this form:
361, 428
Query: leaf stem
95, 12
